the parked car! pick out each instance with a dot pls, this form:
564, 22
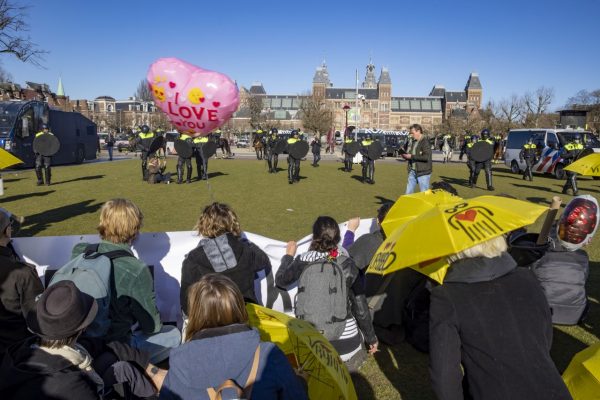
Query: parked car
549, 143
122, 143
242, 143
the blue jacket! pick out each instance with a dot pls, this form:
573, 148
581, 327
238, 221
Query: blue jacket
217, 354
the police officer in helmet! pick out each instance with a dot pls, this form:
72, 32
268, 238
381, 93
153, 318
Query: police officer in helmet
144, 140
569, 153
272, 158
293, 164
368, 165
486, 165
528, 154
43, 161
349, 138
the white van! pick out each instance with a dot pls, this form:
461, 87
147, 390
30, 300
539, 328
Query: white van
549, 143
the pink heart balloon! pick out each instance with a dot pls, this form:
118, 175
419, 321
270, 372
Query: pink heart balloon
196, 101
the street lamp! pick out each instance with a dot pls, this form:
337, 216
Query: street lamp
346, 108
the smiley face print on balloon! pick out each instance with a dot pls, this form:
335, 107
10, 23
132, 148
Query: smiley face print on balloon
196, 101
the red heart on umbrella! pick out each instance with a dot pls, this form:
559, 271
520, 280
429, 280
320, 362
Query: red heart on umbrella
216, 104
178, 123
468, 215
172, 85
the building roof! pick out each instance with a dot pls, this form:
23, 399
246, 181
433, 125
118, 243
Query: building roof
321, 74
350, 93
416, 104
453, 97
257, 88
473, 82
384, 77
60, 91
438, 90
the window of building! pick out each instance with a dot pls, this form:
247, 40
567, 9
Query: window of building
426, 104
436, 105
384, 107
109, 108
280, 114
404, 104
266, 103
395, 104
275, 103
286, 103
137, 108
296, 103
415, 105
349, 95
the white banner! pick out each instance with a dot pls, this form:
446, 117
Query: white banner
165, 251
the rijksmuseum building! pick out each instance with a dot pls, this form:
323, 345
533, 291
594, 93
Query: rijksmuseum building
377, 108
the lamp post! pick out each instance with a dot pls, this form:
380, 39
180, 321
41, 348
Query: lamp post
346, 108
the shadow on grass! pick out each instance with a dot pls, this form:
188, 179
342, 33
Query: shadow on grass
383, 200
591, 323
210, 175
357, 178
364, 390
407, 370
81, 178
12, 180
564, 347
542, 188
25, 196
37, 223
539, 200
455, 181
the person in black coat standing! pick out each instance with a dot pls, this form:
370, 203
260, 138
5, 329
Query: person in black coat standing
222, 250
490, 327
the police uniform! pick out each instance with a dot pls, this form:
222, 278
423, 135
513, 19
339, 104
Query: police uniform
145, 138
293, 164
347, 157
272, 158
187, 161
43, 162
464, 147
201, 161
570, 152
486, 165
470, 162
368, 165
528, 154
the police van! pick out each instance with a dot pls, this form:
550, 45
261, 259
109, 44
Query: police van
549, 143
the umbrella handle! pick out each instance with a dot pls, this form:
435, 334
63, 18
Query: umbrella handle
550, 217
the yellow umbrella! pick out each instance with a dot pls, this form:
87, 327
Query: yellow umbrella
410, 205
308, 351
7, 159
424, 242
582, 376
588, 165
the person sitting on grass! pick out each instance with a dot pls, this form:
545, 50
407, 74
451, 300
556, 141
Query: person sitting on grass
19, 286
222, 249
58, 364
335, 311
221, 348
490, 330
133, 300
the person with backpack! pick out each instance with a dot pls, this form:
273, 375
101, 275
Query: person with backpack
329, 294
19, 285
222, 249
132, 300
222, 355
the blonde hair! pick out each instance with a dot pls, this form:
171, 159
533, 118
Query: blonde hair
217, 219
489, 249
214, 301
120, 221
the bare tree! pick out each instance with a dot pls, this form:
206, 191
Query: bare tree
254, 104
5, 76
537, 104
13, 34
316, 116
589, 101
143, 91
511, 111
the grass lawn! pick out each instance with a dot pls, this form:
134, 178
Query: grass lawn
268, 205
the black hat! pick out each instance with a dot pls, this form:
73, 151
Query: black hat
61, 312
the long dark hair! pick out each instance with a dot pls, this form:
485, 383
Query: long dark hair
326, 235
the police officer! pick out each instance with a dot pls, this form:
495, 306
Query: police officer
201, 160
272, 158
293, 164
570, 152
184, 160
43, 161
463, 148
486, 165
529, 154
368, 165
347, 157
470, 162
144, 139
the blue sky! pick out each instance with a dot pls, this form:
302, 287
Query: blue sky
105, 47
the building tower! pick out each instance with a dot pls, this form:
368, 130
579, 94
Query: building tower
474, 92
384, 86
370, 81
60, 91
321, 81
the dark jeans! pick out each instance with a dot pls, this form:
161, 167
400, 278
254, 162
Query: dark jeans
110, 152
316, 158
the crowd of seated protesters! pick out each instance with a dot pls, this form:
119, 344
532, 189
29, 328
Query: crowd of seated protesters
482, 357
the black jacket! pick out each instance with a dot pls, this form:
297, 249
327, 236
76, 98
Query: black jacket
234, 257
421, 160
492, 318
291, 268
28, 372
19, 286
